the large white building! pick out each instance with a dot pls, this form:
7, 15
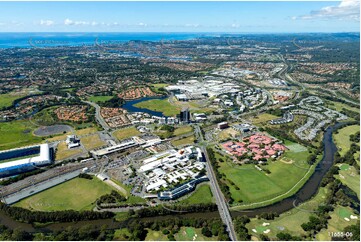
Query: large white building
24, 159
171, 167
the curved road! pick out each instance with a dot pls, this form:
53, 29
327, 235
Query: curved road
99, 118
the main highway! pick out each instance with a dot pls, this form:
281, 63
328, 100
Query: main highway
220, 200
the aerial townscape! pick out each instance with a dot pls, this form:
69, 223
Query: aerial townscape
179, 136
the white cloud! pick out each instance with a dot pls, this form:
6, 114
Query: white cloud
71, 22
68, 22
346, 10
94, 23
46, 22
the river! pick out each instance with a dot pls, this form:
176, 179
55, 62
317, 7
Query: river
129, 105
309, 189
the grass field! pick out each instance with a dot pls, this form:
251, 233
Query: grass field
337, 222
131, 198
339, 106
58, 137
153, 235
6, 100
257, 186
62, 151
125, 133
264, 117
77, 194
228, 133
159, 105
349, 176
192, 234
97, 99
289, 222
16, 134
184, 234
184, 141
91, 142
46, 116
182, 130
156, 86
122, 234
342, 138
86, 131
202, 194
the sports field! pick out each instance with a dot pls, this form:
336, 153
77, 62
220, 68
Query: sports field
77, 194
258, 186
125, 133
202, 194
159, 105
342, 138
17, 134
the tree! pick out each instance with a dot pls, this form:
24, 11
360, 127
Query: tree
284, 236
206, 232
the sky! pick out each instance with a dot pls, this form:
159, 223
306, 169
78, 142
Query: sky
236, 17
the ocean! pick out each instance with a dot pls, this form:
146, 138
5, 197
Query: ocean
28, 40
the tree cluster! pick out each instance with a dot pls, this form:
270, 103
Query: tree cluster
28, 216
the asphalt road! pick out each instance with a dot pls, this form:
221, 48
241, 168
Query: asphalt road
98, 116
220, 200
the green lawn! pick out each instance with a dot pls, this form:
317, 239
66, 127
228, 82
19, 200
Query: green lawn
339, 106
131, 198
46, 116
126, 133
262, 118
122, 234
182, 130
156, 86
202, 194
337, 222
159, 105
6, 100
342, 138
97, 99
256, 186
184, 234
189, 140
77, 194
192, 234
349, 176
153, 235
16, 134
91, 142
290, 221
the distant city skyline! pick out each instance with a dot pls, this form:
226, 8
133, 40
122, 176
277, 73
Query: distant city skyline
230, 17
